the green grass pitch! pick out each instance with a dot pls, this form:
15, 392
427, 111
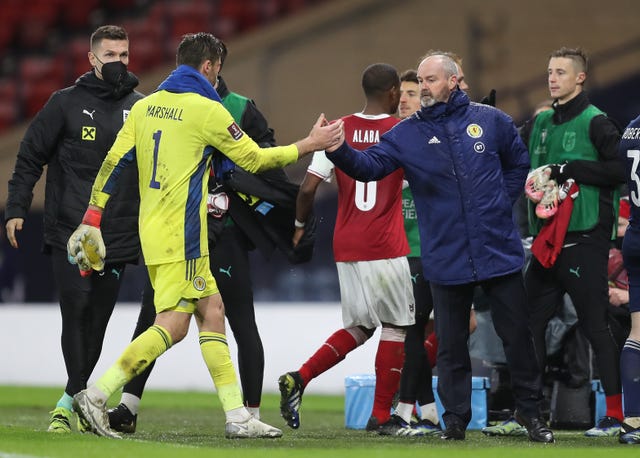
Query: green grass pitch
191, 424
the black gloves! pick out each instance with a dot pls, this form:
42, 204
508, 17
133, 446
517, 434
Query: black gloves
559, 172
489, 99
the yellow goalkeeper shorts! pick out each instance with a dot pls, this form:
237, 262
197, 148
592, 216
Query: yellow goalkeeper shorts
179, 285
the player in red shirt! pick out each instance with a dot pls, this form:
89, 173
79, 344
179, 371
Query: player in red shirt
370, 248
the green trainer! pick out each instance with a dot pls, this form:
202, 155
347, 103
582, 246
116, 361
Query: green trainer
83, 426
60, 421
508, 427
606, 427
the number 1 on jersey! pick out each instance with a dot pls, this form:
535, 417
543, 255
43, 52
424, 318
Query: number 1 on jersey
156, 146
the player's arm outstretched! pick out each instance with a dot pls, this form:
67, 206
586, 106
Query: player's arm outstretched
242, 150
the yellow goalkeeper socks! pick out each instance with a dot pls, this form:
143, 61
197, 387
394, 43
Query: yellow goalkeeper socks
215, 352
134, 359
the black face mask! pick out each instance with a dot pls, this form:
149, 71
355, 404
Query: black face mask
114, 73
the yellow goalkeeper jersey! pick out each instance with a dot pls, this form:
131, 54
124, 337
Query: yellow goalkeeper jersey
171, 136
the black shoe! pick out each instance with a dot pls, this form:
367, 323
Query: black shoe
121, 419
391, 427
291, 389
372, 424
453, 432
629, 434
536, 428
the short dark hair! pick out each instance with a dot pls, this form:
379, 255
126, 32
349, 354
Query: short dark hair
379, 78
196, 48
109, 32
223, 52
409, 75
577, 55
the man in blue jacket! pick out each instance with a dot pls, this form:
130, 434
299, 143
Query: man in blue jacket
466, 166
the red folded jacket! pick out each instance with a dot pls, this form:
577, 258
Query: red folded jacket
547, 245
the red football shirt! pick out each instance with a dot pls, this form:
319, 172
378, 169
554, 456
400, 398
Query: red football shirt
369, 224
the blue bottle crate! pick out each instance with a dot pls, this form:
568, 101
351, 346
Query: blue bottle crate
359, 391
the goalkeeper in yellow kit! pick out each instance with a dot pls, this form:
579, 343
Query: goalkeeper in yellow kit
171, 136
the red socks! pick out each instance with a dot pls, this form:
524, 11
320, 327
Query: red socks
614, 406
389, 361
328, 355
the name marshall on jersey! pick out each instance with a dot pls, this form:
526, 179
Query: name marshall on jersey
161, 112
366, 136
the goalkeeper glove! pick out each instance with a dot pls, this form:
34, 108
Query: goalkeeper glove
85, 246
548, 205
536, 183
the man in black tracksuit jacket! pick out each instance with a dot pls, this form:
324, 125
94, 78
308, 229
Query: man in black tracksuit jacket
71, 136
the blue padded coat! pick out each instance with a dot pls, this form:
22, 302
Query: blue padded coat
466, 166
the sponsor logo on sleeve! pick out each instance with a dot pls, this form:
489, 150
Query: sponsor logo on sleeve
235, 131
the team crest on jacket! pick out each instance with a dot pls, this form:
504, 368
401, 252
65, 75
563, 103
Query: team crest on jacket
199, 283
569, 141
474, 131
235, 131
125, 115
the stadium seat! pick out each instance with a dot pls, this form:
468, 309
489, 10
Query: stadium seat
187, 17
121, 4
9, 112
77, 14
35, 95
39, 77
76, 52
36, 24
10, 13
146, 40
244, 14
37, 68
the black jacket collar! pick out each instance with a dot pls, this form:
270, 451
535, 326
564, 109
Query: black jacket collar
222, 88
105, 91
571, 109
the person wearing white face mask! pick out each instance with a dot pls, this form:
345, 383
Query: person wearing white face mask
71, 135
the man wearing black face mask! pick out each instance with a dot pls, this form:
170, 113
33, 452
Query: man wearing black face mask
71, 136
114, 73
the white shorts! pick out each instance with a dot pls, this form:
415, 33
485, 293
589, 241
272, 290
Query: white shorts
376, 292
